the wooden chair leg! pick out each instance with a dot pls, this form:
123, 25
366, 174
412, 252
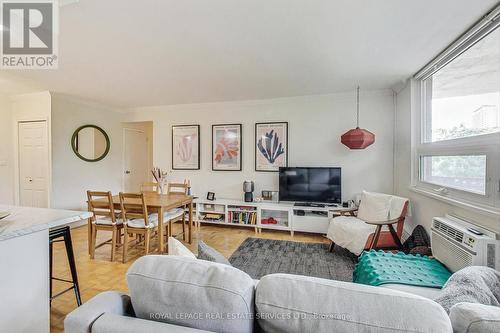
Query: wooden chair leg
113, 244
93, 241
395, 237
146, 240
183, 227
332, 246
376, 237
125, 246
119, 236
89, 235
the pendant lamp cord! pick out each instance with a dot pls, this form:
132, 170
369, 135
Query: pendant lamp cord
357, 107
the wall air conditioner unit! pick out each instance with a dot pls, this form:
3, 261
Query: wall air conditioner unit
457, 244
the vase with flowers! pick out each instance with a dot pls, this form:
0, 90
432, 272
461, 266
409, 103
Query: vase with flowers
160, 177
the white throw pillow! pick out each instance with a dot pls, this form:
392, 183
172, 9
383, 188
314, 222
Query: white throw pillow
374, 207
176, 248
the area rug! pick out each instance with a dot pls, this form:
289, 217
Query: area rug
258, 257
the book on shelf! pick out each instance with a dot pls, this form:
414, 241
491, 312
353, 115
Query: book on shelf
237, 217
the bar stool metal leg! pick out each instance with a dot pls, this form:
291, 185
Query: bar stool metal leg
72, 265
66, 235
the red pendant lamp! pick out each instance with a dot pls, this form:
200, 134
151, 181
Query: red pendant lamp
357, 138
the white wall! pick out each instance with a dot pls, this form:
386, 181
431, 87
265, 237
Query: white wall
71, 176
423, 208
315, 126
6, 152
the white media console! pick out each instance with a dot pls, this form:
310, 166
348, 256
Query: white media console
266, 215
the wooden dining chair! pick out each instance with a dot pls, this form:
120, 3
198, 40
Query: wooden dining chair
176, 214
104, 218
149, 187
137, 221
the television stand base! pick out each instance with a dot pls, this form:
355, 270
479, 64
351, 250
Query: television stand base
309, 204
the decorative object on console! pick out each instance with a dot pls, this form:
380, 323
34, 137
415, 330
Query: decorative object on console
226, 147
269, 220
186, 147
357, 138
248, 188
270, 195
211, 196
271, 146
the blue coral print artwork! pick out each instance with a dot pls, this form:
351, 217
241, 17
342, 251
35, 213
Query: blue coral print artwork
271, 146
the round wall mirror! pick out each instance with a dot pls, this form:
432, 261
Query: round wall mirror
90, 143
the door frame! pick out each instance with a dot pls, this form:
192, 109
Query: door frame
124, 148
17, 183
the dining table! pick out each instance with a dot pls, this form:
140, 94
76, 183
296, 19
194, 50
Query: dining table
160, 204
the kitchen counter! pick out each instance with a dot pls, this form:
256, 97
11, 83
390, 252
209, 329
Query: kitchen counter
24, 266
26, 220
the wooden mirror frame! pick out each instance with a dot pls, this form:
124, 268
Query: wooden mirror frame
73, 145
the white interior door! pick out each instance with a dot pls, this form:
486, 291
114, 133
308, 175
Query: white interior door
33, 164
135, 164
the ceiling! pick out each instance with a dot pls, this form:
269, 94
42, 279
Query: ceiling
131, 53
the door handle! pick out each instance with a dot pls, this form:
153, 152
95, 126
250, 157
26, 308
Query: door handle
127, 172
30, 179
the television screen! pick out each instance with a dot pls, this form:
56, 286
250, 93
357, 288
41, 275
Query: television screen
322, 185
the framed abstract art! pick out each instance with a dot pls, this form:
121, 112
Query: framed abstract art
186, 147
271, 146
226, 147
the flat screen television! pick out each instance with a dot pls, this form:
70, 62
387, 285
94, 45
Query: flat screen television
320, 185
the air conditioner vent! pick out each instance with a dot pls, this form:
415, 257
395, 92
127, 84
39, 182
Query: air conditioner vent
451, 255
449, 231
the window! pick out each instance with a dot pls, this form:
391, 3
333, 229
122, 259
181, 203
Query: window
457, 148
464, 96
466, 172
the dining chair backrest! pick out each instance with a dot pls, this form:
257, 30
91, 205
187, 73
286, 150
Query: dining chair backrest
101, 204
177, 188
149, 187
133, 206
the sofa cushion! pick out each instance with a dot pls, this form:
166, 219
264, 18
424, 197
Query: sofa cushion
293, 304
374, 207
193, 293
112, 323
475, 318
206, 252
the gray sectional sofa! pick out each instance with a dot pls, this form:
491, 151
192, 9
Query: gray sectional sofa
170, 294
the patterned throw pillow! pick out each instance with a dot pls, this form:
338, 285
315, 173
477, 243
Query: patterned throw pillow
208, 253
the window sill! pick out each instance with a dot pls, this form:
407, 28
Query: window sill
491, 212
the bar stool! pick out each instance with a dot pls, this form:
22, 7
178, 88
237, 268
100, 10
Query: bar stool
64, 235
